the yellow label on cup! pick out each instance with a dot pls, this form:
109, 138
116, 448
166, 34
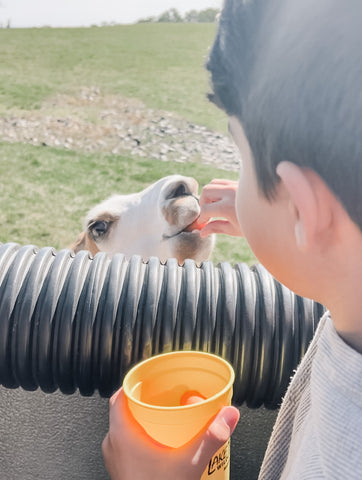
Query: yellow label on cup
155, 390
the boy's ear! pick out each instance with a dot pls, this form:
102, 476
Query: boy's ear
309, 208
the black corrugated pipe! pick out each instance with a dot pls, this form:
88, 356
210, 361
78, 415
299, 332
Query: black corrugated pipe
69, 321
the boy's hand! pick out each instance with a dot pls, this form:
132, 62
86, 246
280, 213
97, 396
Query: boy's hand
217, 200
130, 454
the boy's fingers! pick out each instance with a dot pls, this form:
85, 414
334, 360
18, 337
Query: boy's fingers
217, 189
222, 181
114, 397
207, 198
215, 226
224, 424
106, 452
216, 435
207, 212
219, 226
219, 208
213, 192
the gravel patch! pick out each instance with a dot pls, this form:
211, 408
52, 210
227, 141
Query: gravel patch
92, 122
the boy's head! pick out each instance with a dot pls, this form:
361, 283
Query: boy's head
291, 72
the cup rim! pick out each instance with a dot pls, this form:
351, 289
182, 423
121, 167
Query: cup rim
222, 392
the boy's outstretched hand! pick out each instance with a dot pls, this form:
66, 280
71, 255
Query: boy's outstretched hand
130, 454
217, 201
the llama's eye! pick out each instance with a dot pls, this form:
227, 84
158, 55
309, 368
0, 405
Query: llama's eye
98, 228
179, 191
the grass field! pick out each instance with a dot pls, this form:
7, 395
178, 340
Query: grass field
161, 64
45, 192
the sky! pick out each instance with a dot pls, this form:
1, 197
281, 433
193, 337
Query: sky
70, 13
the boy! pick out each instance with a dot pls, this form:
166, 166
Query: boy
289, 74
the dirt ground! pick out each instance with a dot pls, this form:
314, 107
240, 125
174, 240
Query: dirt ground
90, 121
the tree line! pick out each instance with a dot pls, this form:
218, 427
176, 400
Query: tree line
193, 16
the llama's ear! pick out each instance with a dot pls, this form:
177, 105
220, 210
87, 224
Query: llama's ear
84, 242
80, 243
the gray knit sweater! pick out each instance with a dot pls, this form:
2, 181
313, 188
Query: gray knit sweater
318, 432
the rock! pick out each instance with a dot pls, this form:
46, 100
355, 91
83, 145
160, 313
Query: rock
123, 125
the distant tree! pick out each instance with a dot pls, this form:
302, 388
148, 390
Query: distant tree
192, 16
147, 20
172, 15
208, 15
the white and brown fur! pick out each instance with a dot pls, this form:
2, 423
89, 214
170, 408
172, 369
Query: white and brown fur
153, 222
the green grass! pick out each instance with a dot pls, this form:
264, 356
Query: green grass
46, 193
161, 64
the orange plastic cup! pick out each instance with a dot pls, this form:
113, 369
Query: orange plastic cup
156, 390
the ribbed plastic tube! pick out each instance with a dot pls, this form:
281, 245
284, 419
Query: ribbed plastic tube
72, 322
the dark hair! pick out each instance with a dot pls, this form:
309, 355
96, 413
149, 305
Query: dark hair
291, 71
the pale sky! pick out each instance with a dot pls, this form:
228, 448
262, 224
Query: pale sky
68, 13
